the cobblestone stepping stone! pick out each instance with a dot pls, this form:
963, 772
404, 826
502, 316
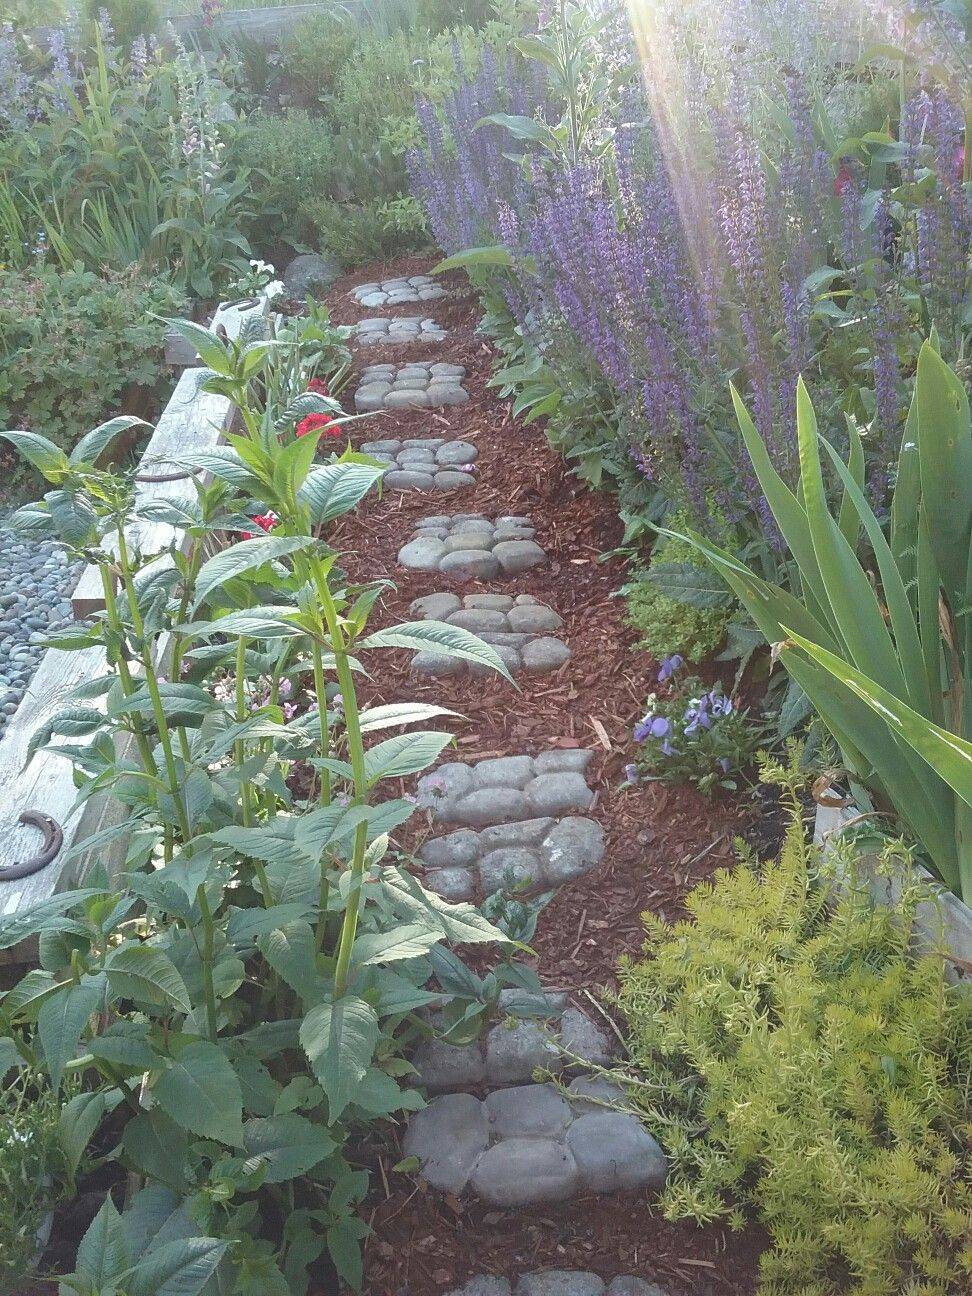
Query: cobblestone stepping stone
530, 1144
386, 330
36, 580
398, 292
425, 463
550, 1035
558, 1282
420, 386
468, 546
520, 820
520, 629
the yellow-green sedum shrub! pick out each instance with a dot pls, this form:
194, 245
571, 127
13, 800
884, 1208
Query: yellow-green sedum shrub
798, 1060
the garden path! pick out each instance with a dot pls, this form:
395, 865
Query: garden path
535, 787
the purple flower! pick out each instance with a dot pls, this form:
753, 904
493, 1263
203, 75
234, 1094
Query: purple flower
652, 727
631, 773
669, 666
284, 688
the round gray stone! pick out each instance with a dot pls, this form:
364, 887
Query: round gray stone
521, 1171
436, 607
474, 541
564, 758
371, 397
584, 1039
571, 849
558, 793
486, 806
614, 1152
446, 394
479, 621
443, 1066
502, 771
560, 1282
456, 452
448, 1137
517, 556
508, 867
497, 602
440, 665
530, 1111
310, 273
483, 1285
386, 446
469, 564
514, 1052
544, 654
457, 848
443, 369
447, 782
407, 399
589, 1093
447, 480
423, 554
534, 618
527, 832
453, 884
407, 479
626, 1285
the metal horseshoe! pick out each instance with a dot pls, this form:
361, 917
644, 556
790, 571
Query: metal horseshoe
53, 841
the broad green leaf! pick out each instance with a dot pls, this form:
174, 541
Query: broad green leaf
391, 714
460, 924
158, 1148
404, 754
77, 1121
212, 352
223, 463
9, 1057
450, 640
61, 1020
291, 951
102, 1252
334, 489
249, 623
411, 940
690, 584
495, 256
24, 1000
146, 975
945, 463
94, 443
199, 1091
49, 460
179, 1268
243, 557
339, 1040
291, 1145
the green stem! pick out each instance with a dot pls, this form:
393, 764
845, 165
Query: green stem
124, 671
239, 748
152, 683
209, 985
320, 690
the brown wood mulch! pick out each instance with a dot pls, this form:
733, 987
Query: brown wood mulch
660, 841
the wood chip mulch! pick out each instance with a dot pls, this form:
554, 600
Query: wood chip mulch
660, 841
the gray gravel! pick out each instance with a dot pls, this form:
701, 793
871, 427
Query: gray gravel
36, 581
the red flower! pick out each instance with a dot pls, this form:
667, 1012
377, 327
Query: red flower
318, 386
844, 179
318, 422
265, 521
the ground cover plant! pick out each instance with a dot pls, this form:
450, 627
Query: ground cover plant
232, 1007
795, 1053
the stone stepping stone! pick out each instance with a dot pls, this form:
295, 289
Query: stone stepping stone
386, 330
537, 1030
398, 292
520, 821
521, 629
411, 386
425, 463
468, 546
558, 1282
531, 1144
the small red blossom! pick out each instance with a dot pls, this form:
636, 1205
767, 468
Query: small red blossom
318, 386
318, 422
265, 521
844, 179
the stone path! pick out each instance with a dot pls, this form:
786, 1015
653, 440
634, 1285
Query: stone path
425, 463
386, 330
558, 1282
520, 629
36, 580
420, 386
471, 547
530, 1144
398, 292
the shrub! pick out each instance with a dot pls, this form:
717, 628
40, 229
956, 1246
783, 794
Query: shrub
128, 19
71, 343
666, 625
798, 1057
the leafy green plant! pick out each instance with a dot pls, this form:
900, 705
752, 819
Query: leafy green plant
668, 624
793, 1053
34, 1168
234, 1005
72, 342
906, 632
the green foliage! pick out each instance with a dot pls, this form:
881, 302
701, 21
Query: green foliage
128, 18
797, 1056
668, 625
238, 1001
71, 343
33, 1167
887, 669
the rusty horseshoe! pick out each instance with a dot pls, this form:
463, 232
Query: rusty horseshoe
53, 841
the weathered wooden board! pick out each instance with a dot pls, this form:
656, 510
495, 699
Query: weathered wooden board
266, 25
